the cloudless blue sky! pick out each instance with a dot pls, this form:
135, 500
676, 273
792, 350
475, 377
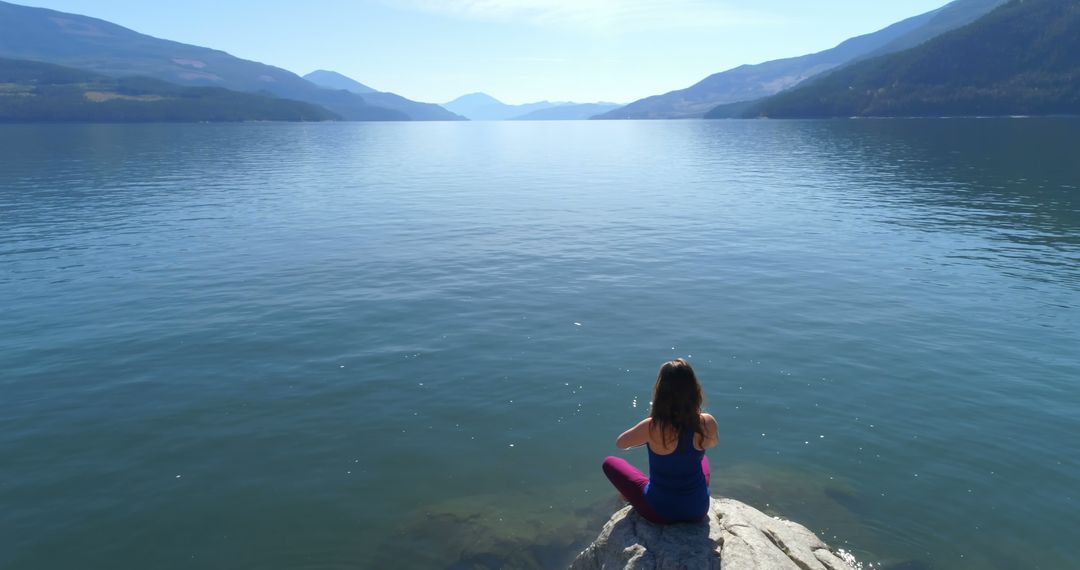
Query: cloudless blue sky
517, 50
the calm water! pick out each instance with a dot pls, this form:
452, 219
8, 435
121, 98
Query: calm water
411, 345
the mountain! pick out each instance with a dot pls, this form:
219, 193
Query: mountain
1021, 59
95, 45
32, 91
416, 111
483, 107
570, 112
954, 15
749, 82
335, 80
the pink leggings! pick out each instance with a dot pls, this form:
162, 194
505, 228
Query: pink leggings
631, 483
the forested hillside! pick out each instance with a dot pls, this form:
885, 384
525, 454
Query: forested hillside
1022, 59
40, 92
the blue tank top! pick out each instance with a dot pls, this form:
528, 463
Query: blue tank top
677, 488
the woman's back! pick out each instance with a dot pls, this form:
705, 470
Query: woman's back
678, 486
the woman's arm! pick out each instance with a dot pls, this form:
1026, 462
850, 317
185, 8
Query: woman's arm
635, 436
712, 432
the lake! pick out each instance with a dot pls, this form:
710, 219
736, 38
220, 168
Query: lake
410, 345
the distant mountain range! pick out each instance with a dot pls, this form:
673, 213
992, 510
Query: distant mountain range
750, 82
98, 46
484, 107
31, 91
415, 111
970, 57
568, 112
1021, 59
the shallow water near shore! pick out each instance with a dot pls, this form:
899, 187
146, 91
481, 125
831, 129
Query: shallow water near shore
351, 345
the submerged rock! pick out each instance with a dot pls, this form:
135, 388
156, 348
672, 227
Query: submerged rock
531, 529
736, 537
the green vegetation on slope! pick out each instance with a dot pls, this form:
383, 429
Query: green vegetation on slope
41, 92
751, 82
102, 47
1022, 59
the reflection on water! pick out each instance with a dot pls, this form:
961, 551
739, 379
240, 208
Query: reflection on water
1012, 183
342, 345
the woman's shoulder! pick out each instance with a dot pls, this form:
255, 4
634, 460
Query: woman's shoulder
708, 418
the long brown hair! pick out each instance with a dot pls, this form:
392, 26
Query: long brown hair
677, 401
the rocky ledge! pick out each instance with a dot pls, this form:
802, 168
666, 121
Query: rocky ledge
737, 537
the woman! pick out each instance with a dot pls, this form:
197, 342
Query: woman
677, 434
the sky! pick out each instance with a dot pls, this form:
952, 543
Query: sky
518, 51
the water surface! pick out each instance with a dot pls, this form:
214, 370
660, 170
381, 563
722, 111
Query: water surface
411, 345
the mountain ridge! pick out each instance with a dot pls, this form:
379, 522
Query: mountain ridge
483, 107
976, 70
414, 109
750, 82
568, 112
93, 44
334, 80
480, 106
32, 91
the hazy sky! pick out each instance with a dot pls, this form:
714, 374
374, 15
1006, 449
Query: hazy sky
517, 50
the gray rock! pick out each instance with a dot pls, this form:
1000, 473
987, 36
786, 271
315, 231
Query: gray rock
737, 537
